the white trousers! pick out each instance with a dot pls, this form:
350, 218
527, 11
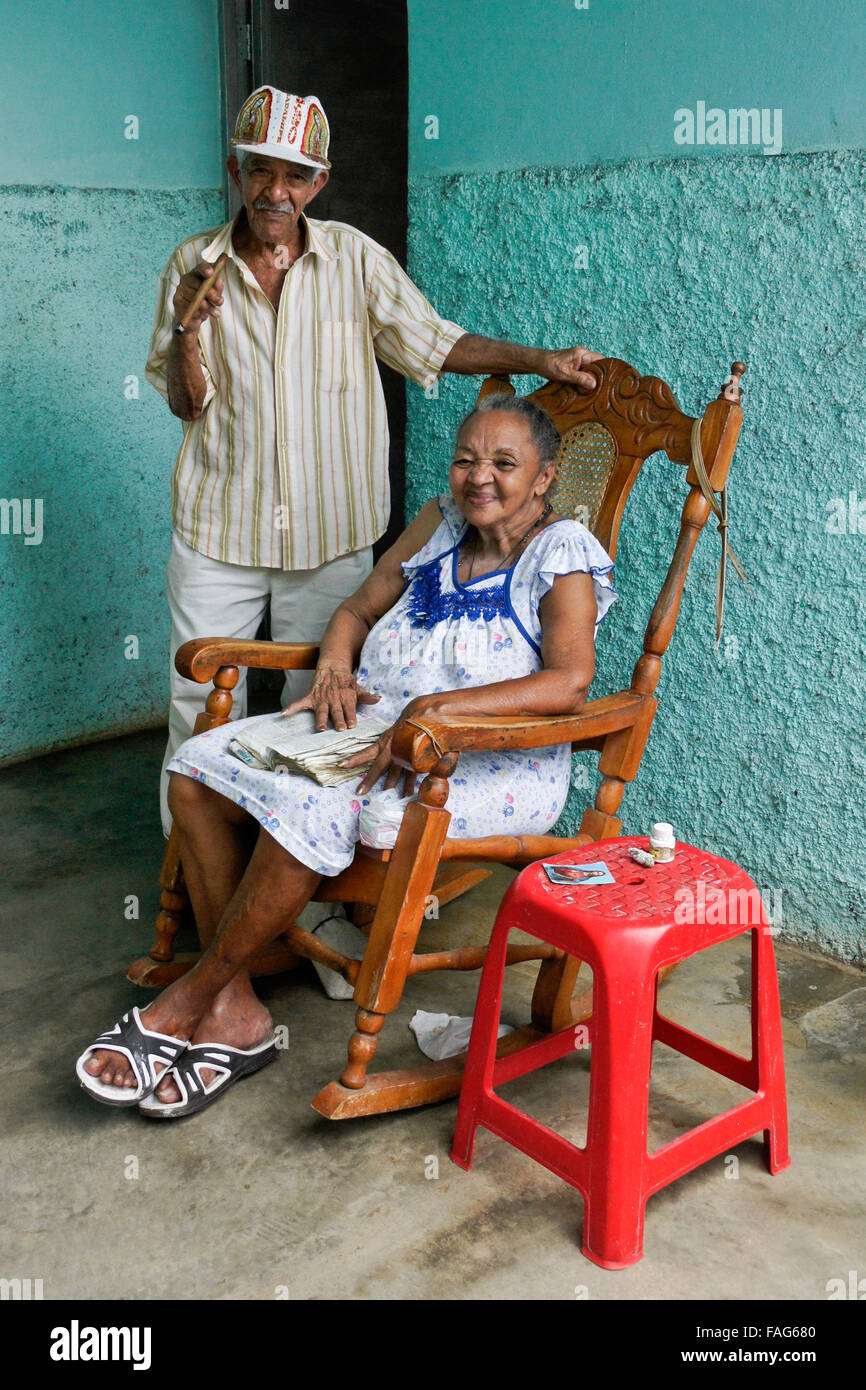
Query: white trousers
208, 598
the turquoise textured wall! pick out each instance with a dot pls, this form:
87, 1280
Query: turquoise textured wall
100, 461
543, 139
72, 71
518, 83
691, 264
89, 219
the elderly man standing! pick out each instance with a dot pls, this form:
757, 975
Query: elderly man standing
280, 486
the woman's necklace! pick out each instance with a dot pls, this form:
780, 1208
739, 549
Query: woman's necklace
542, 516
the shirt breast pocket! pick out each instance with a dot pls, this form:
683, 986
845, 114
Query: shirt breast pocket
341, 357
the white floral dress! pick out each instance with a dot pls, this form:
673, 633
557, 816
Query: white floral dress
440, 635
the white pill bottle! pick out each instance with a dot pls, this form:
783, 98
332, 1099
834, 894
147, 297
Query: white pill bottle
662, 843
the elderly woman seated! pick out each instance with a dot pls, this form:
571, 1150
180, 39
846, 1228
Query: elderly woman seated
486, 605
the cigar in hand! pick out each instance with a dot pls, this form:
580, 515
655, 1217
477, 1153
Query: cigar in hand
200, 293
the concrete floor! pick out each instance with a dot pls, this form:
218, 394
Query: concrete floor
259, 1197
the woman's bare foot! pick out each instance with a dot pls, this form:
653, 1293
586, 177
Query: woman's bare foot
175, 1012
252, 905
236, 1018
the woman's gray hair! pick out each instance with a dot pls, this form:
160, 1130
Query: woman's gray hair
543, 432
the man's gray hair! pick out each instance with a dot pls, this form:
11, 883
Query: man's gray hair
243, 156
543, 432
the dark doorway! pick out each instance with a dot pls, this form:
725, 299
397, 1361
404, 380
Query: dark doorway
354, 56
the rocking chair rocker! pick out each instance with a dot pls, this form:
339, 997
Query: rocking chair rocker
607, 437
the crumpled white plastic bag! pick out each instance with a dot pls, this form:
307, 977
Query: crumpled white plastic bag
444, 1035
381, 818
328, 921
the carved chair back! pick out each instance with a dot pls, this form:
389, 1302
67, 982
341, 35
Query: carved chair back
607, 435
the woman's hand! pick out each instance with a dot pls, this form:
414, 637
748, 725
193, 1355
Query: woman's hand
336, 694
382, 763
381, 751
382, 760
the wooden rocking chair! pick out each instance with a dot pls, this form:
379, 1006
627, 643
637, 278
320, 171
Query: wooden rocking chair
607, 436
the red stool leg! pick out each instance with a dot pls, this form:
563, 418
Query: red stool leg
623, 1004
767, 1046
478, 1075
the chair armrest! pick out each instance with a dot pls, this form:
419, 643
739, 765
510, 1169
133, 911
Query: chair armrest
421, 744
200, 659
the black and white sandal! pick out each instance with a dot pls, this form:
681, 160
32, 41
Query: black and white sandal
230, 1064
142, 1049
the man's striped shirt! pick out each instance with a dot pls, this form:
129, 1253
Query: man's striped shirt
287, 466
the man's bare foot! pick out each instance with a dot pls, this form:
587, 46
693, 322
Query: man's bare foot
237, 1019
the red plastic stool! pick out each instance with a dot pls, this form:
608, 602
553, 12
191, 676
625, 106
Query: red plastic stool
626, 932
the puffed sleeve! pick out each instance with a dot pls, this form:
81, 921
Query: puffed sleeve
571, 549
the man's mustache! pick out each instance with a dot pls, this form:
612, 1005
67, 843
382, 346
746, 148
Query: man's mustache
262, 206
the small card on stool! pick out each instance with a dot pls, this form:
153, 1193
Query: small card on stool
584, 875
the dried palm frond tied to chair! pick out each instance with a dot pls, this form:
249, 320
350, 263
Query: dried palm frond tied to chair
607, 435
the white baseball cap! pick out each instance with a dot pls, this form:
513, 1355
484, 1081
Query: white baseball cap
282, 126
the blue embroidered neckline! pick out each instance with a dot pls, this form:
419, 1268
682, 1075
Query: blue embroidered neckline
429, 606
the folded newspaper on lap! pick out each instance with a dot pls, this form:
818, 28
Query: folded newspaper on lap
293, 745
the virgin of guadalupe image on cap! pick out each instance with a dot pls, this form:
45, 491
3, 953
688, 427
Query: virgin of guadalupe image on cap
253, 118
315, 139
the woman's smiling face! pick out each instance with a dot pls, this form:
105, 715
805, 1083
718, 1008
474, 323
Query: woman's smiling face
495, 472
